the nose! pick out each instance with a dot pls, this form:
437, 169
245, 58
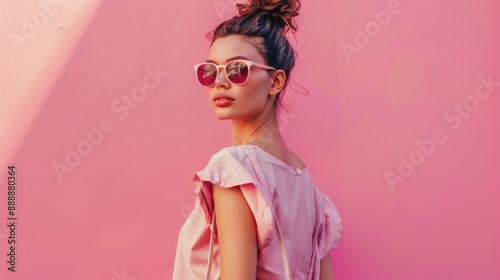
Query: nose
221, 79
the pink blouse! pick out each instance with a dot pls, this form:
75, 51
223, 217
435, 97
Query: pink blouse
309, 221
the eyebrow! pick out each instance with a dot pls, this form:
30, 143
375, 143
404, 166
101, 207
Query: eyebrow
230, 59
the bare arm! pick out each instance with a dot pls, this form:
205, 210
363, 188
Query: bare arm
325, 269
237, 234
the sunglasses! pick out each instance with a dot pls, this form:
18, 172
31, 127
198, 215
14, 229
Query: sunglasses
237, 71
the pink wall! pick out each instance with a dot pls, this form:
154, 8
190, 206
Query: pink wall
399, 129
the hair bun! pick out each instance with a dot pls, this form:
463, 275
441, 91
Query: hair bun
281, 11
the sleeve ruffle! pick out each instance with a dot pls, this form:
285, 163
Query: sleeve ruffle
330, 232
229, 168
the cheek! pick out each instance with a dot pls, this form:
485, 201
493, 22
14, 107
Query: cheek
255, 94
258, 88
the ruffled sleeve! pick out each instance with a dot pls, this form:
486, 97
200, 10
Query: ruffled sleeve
330, 232
232, 167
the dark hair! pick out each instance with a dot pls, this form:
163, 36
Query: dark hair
266, 22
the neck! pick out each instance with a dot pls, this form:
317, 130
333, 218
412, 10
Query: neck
260, 131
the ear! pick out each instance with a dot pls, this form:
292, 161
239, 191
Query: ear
278, 82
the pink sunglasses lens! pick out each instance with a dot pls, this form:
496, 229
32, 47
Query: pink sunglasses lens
206, 74
237, 72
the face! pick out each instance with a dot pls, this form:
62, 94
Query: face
249, 99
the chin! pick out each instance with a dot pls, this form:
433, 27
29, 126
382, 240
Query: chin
223, 113
223, 116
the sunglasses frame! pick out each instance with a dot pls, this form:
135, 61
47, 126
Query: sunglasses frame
248, 63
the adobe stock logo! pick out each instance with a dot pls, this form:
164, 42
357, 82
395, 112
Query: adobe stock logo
373, 28
225, 8
121, 106
454, 116
122, 275
40, 19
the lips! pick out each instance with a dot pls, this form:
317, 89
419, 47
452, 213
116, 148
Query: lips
222, 97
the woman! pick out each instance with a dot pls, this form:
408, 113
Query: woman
258, 214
